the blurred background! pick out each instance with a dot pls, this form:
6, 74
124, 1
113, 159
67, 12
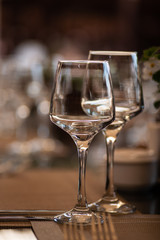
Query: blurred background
34, 34
73, 28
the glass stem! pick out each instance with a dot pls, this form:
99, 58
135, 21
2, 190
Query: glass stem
82, 148
109, 189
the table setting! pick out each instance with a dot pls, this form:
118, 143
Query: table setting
50, 196
99, 95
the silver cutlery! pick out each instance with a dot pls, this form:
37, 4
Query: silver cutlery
101, 229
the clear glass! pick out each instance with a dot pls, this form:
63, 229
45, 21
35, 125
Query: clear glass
82, 104
128, 103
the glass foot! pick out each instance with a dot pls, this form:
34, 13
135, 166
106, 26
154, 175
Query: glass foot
115, 207
77, 216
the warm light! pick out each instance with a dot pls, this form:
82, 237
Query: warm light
43, 107
34, 89
23, 111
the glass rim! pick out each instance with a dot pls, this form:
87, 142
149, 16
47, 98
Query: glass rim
114, 53
83, 61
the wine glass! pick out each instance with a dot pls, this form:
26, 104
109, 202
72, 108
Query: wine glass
128, 103
82, 104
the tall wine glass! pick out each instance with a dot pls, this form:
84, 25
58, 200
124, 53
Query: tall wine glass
128, 103
82, 104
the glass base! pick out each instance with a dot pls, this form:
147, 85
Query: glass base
77, 216
115, 207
